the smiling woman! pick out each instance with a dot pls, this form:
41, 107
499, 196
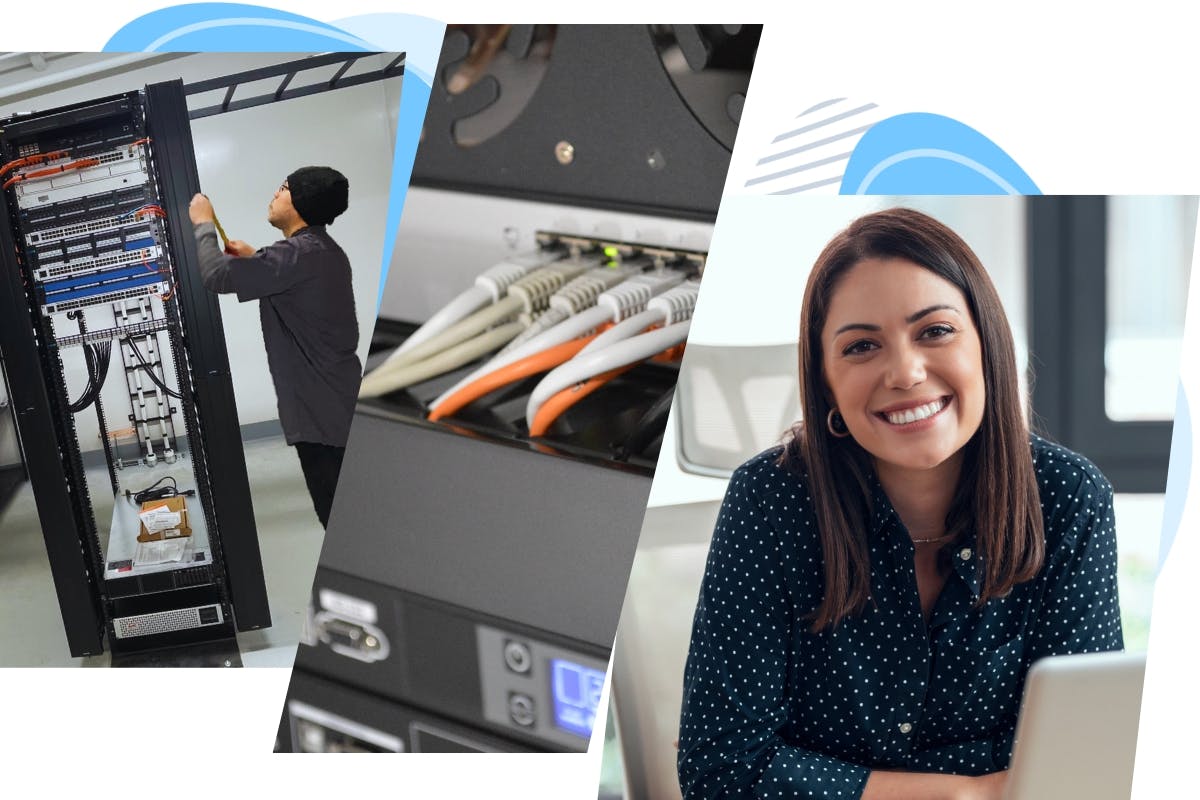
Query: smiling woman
877, 589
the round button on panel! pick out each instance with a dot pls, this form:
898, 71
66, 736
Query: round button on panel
517, 657
520, 709
906, 727
965, 554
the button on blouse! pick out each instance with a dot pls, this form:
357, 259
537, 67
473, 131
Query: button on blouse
773, 710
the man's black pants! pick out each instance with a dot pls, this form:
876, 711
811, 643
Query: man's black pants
321, 464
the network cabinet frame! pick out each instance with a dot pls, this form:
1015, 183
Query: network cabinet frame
53, 459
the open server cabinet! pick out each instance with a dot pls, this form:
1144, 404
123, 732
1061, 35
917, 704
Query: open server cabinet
472, 575
97, 254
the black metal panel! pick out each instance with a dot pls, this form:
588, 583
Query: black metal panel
419, 730
1068, 330
222, 458
607, 93
541, 540
287, 73
434, 659
88, 111
75, 577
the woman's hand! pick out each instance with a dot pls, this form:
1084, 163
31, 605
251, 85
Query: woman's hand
892, 785
985, 787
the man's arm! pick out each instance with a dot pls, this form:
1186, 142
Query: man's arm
214, 265
251, 274
215, 269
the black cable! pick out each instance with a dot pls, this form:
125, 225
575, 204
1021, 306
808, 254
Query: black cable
103, 359
156, 491
649, 427
149, 371
97, 357
88, 396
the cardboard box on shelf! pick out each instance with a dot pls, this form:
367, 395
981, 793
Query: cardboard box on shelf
176, 504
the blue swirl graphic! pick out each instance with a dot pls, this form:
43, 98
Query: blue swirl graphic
229, 27
922, 153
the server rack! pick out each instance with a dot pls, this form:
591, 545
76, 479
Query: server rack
472, 575
98, 256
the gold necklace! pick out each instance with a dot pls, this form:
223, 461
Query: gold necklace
943, 538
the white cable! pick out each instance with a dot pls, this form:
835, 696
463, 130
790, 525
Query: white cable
579, 294
489, 287
497, 279
457, 309
377, 384
585, 367
632, 296
571, 328
623, 330
459, 332
619, 301
679, 303
670, 307
529, 294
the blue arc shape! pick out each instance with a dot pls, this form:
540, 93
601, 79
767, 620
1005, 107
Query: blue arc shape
921, 153
231, 27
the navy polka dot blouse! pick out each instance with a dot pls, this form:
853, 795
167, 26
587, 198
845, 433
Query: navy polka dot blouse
772, 710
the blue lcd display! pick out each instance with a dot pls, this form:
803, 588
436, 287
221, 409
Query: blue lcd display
576, 691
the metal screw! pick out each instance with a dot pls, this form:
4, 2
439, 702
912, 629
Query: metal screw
656, 160
564, 152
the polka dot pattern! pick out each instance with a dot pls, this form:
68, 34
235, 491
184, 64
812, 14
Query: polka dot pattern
773, 710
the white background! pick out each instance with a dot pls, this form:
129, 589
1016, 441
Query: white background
1084, 98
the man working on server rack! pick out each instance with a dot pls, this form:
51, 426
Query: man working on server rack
306, 306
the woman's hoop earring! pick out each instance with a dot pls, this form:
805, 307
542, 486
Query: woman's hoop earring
836, 425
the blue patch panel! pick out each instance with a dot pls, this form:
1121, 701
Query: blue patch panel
53, 287
105, 288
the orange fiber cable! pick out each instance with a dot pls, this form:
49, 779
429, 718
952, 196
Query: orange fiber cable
554, 408
27, 161
81, 163
530, 365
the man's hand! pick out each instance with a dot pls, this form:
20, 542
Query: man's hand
236, 247
201, 210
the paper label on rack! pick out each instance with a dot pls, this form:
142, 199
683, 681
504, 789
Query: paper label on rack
162, 552
160, 519
348, 607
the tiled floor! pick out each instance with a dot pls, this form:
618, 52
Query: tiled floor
31, 632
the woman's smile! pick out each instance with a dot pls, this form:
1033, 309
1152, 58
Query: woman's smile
906, 417
903, 364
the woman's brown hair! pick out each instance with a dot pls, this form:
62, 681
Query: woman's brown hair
997, 491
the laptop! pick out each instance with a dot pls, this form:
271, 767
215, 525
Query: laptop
1077, 731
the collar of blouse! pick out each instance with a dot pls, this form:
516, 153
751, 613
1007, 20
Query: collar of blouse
889, 528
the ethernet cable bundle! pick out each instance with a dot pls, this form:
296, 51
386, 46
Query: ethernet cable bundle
580, 322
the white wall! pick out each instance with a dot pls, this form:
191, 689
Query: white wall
242, 157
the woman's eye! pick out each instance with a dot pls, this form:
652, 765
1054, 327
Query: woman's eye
858, 348
937, 331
